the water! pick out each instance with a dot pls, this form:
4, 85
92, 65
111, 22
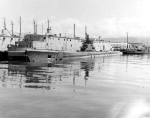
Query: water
101, 87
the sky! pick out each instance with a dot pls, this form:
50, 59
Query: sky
105, 18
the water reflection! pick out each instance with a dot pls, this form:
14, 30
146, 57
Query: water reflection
105, 87
46, 75
49, 75
87, 66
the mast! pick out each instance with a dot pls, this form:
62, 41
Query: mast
85, 32
4, 24
12, 28
42, 28
48, 24
127, 40
48, 29
36, 28
20, 26
34, 24
74, 30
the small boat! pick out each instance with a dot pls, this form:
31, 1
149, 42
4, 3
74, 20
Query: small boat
145, 50
136, 48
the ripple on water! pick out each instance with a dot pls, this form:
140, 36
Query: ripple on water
104, 87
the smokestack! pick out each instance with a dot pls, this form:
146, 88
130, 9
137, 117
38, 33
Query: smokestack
74, 30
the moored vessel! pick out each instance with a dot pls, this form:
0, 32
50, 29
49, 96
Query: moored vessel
45, 48
136, 48
77, 49
5, 42
7, 39
17, 51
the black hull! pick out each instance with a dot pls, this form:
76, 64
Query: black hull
3, 55
18, 58
125, 53
136, 53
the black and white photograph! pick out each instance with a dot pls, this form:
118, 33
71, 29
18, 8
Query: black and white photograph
74, 58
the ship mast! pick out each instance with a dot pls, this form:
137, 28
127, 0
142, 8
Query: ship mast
87, 39
85, 32
20, 26
48, 29
4, 24
127, 40
36, 27
34, 24
42, 28
12, 28
74, 30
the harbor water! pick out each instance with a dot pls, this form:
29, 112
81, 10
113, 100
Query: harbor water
101, 87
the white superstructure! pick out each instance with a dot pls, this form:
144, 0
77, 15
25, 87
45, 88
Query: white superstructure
52, 43
6, 41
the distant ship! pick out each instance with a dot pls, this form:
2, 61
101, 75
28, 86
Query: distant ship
136, 48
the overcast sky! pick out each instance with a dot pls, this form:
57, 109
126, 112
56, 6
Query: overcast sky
105, 18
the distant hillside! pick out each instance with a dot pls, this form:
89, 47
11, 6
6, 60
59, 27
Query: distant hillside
130, 39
